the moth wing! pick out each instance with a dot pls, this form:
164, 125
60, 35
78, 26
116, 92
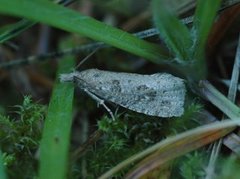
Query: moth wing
156, 95
155, 103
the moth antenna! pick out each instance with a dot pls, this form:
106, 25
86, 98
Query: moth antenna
86, 58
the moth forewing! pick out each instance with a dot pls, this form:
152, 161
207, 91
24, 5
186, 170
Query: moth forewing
159, 94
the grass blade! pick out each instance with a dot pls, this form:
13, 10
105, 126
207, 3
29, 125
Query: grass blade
195, 138
172, 30
56, 134
2, 171
232, 92
15, 29
203, 19
74, 22
235, 76
209, 92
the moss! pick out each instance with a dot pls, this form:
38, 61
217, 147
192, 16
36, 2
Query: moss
129, 134
20, 135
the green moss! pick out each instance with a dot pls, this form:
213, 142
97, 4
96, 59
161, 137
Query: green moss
20, 135
128, 134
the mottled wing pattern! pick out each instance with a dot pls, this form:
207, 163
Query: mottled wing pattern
159, 94
155, 103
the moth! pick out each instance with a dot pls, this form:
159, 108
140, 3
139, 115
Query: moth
159, 94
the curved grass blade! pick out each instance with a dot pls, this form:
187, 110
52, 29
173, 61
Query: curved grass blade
172, 30
69, 20
75, 50
13, 30
82, 48
56, 134
184, 142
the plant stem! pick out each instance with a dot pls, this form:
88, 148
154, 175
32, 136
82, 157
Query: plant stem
219, 100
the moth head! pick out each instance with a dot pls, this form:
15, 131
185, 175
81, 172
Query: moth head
69, 77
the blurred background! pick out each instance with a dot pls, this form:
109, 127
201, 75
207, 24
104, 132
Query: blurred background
37, 79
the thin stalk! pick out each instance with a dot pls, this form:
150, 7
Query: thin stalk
209, 92
232, 97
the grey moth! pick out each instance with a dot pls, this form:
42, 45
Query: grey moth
159, 94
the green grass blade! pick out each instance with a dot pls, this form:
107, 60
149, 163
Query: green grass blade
13, 30
172, 30
2, 171
203, 19
56, 135
69, 20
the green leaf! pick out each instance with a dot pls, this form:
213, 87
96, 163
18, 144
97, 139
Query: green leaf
172, 30
54, 145
13, 30
71, 21
203, 19
2, 172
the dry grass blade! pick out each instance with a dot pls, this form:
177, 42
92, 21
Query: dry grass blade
209, 92
235, 76
175, 150
231, 141
166, 150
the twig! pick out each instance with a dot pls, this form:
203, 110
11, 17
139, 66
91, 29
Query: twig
78, 49
84, 147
